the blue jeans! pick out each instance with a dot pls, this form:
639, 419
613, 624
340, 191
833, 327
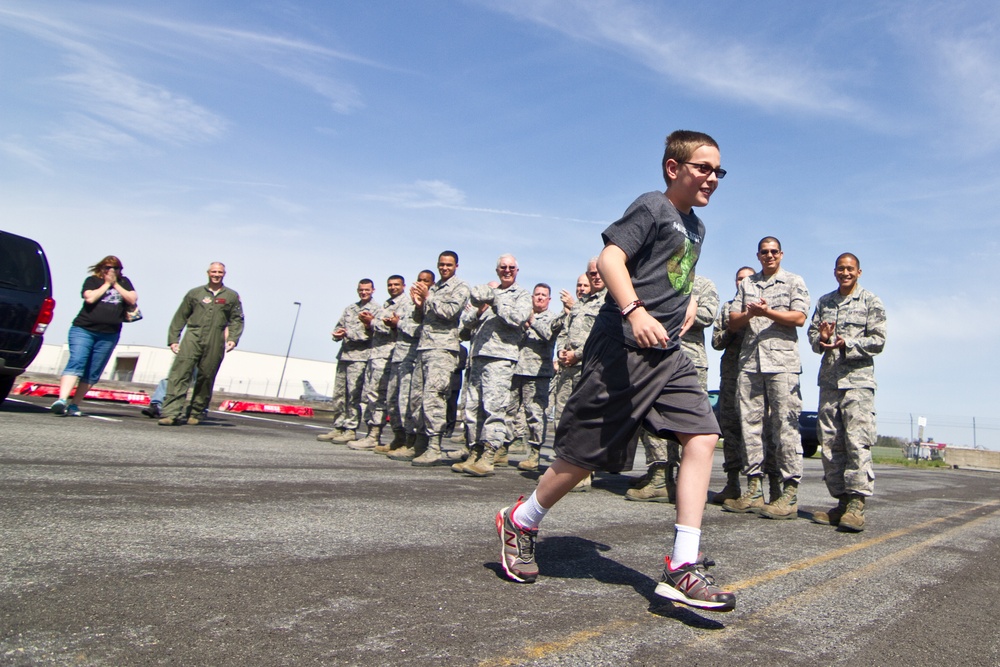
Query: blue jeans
89, 353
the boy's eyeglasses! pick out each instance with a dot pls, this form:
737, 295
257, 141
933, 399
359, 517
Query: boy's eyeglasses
770, 251
706, 169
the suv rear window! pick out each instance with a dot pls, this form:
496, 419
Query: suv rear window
20, 267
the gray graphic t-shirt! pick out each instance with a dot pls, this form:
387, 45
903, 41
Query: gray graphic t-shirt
662, 246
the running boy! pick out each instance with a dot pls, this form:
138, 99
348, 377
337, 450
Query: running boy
634, 375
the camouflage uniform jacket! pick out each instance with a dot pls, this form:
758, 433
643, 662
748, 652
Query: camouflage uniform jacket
440, 315
581, 320
693, 341
534, 357
860, 320
728, 342
356, 343
499, 330
769, 347
384, 336
407, 329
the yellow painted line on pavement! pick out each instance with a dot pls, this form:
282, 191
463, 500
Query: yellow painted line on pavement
844, 551
539, 651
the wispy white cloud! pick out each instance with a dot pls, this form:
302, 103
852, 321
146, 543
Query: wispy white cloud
303, 62
423, 194
742, 71
87, 136
103, 90
15, 148
110, 107
961, 58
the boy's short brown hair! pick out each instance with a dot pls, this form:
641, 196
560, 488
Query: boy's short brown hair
681, 145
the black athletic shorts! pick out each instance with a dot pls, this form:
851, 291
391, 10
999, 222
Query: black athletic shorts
624, 388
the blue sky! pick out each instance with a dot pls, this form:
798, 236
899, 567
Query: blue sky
310, 144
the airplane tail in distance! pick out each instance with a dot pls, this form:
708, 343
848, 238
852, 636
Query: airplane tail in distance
310, 394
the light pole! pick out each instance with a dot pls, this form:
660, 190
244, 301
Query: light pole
298, 307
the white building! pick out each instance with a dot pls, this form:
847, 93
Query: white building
248, 373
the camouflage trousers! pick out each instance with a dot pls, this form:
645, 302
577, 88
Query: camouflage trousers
660, 450
565, 384
730, 425
846, 434
774, 399
397, 394
430, 388
376, 388
529, 396
488, 396
347, 393
732, 431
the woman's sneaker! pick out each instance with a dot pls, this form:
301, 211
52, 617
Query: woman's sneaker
73, 411
692, 585
58, 408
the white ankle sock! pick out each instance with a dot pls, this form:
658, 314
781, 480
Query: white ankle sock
687, 540
529, 513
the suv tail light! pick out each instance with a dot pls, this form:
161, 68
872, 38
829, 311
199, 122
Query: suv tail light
44, 316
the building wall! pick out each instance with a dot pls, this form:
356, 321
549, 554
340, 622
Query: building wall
248, 373
972, 458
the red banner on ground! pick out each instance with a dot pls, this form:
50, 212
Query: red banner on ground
269, 408
41, 389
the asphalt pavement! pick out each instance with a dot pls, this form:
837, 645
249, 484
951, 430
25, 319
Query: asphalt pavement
244, 541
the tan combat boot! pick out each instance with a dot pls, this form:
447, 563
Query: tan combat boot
774, 488
530, 464
432, 455
518, 446
752, 499
328, 437
398, 440
853, 519
407, 451
501, 456
584, 485
832, 516
642, 480
656, 490
474, 454
483, 466
786, 506
457, 455
346, 435
731, 491
370, 441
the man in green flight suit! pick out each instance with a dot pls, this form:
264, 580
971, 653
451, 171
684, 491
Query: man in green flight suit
212, 319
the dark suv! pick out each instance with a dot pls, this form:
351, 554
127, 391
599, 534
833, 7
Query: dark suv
26, 305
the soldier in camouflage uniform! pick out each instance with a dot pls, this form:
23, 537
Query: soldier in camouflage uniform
439, 308
376, 383
729, 343
352, 359
404, 356
501, 309
529, 391
211, 317
663, 455
770, 305
848, 329
578, 323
